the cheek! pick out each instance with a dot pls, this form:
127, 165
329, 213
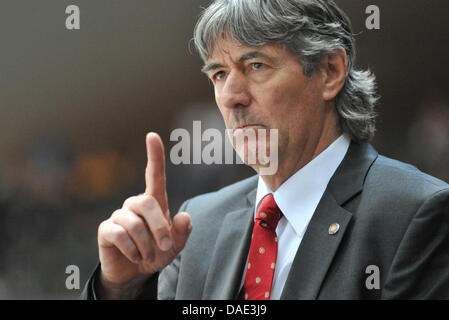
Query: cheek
289, 109
270, 100
281, 103
281, 98
295, 99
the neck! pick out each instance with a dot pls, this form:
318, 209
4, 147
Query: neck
311, 149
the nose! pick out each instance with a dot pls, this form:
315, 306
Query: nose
234, 92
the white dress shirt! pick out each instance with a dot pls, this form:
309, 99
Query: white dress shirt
298, 198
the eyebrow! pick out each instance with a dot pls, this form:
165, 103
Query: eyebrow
247, 56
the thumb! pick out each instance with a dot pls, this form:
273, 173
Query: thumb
181, 228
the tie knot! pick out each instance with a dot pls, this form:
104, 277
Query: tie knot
268, 213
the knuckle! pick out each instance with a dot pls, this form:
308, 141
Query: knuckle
136, 226
103, 227
130, 201
120, 235
148, 203
159, 230
117, 213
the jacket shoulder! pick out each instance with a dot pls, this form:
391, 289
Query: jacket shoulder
394, 192
404, 179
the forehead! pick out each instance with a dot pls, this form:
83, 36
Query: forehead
230, 48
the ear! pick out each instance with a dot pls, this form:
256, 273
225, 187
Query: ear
333, 69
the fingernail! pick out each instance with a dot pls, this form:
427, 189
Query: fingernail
166, 243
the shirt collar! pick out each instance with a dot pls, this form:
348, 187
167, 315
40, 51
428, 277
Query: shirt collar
299, 196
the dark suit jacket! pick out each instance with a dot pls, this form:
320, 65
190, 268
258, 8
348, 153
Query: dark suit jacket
391, 216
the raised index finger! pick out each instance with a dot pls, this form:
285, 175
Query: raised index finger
155, 170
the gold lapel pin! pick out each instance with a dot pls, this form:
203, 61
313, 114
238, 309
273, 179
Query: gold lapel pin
333, 229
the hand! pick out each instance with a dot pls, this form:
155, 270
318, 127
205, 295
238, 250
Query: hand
140, 239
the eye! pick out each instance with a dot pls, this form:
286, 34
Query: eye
257, 65
219, 75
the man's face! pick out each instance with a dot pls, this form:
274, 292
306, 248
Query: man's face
265, 88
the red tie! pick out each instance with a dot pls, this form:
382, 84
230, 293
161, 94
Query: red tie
263, 252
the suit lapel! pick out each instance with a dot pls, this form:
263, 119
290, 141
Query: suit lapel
318, 247
230, 253
316, 251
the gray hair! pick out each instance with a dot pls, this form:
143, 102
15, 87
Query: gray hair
309, 28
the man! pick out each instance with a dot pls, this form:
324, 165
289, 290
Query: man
335, 221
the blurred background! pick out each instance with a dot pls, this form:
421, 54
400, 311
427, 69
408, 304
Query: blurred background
75, 107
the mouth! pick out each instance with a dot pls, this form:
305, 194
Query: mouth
249, 127
249, 130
